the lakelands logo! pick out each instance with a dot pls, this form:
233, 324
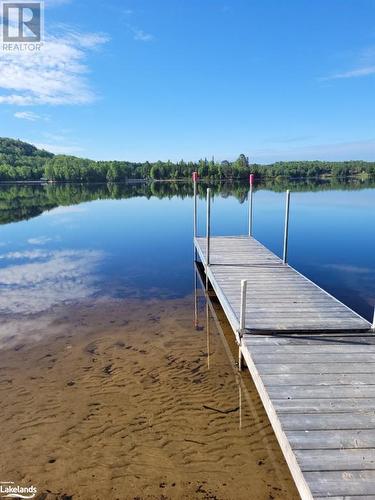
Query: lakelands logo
11, 490
22, 25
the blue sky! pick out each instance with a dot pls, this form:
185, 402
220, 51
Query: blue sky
172, 79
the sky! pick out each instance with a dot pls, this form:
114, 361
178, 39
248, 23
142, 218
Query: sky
186, 79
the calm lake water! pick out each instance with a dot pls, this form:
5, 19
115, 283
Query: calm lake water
102, 370
72, 245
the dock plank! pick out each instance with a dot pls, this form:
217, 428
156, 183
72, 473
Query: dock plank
336, 460
320, 392
342, 483
317, 379
317, 368
324, 405
332, 439
316, 339
305, 357
334, 421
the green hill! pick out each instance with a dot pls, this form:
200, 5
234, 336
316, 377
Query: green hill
21, 161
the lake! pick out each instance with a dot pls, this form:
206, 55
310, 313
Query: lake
109, 387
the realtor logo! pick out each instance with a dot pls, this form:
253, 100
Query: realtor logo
22, 22
9, 489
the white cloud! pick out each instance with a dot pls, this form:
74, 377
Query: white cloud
88, 40
354, 73
54, 75
54, 137
364, 66
142, 36
57, 143
55, 3
58, 149
355, 150
27, 115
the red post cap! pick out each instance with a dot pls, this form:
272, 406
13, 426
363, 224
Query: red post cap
251, 179
195, 176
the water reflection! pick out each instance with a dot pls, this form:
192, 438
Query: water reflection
41, 240
45, 278
22, 202
249, 407
72, 242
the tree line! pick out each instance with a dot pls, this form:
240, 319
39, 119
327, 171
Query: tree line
20, 161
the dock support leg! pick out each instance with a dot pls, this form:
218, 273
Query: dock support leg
251, 208
195, 224
208, 332
195, 206
240, 405
240, 359
208, 233
196, 321
242, 321
243, 306
286, 228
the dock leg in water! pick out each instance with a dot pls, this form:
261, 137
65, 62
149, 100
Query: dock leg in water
208, 332
240, 359
195, 223
286, 228
240, 406
208, 233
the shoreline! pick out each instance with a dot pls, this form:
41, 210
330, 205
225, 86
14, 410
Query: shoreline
204, 180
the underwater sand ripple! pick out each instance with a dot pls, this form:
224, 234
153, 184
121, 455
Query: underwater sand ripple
122, 405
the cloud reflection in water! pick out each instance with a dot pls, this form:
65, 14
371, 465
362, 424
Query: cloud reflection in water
46, 278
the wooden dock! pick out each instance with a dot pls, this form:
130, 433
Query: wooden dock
278, 297
312, 360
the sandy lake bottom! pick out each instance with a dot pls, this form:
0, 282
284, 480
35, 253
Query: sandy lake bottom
126, 399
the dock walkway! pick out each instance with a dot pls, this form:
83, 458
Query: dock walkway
312, 360
278, 297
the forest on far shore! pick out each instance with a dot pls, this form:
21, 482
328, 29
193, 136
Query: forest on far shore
20, 161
